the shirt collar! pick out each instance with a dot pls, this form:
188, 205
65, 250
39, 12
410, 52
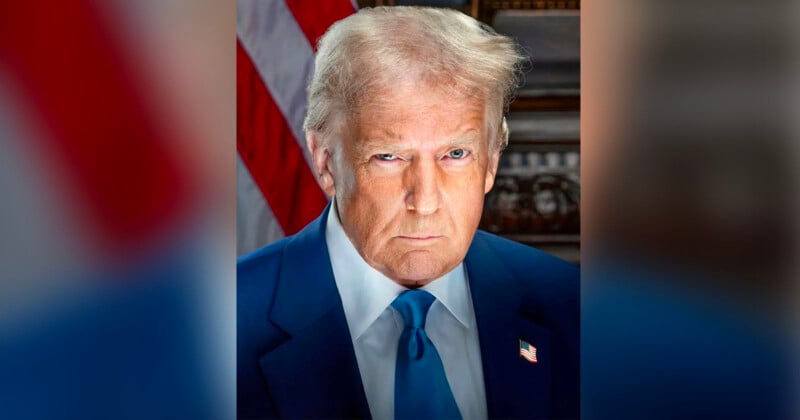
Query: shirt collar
453, 292
366, 292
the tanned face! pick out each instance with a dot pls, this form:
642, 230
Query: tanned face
409, 176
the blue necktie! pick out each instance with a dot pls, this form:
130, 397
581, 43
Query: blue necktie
421, 390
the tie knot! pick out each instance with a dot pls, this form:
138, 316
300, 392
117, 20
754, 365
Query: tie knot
413, 305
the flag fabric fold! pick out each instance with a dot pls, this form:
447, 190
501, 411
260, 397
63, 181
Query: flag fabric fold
277, 193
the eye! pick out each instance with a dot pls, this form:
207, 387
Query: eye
386, 157
457, 154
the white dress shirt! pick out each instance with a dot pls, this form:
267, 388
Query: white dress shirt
375, 327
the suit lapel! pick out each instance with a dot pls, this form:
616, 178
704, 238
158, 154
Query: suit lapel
314, 373
515, 387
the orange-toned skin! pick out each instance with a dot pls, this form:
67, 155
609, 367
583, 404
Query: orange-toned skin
409, 178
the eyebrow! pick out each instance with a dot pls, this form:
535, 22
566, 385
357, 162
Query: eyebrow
365, 145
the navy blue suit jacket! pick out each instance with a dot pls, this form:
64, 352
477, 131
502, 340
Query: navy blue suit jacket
296, 359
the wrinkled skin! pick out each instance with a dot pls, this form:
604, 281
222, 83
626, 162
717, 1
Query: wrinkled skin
409, 176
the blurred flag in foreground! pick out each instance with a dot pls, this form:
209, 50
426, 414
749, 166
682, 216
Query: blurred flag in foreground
106, 215
277, 193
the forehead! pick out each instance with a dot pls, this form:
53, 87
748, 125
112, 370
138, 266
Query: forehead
419, 112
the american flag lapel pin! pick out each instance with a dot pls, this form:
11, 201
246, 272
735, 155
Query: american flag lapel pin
527, 351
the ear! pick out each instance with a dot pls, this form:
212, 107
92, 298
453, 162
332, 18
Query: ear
491, 168
321, 159
494, 155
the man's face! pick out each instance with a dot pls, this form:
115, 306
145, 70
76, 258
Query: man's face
410, 180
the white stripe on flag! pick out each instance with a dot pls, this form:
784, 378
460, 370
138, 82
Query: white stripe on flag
282, 55
255, 223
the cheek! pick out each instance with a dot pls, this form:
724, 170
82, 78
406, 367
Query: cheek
370, 204
465, 197
379, 192
466, 184
469, 208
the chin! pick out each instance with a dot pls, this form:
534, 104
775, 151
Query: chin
419, 270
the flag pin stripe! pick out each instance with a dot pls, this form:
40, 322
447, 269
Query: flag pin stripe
527, 351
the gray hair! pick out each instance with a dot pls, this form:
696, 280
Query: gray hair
368, 51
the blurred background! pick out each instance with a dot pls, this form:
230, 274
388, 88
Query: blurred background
122, 149
689, 212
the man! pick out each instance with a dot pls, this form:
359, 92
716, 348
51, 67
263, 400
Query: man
390, 305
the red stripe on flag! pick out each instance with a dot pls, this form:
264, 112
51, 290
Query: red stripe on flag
314, 18
101, 133
271, 153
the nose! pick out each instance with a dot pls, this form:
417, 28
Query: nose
422, 186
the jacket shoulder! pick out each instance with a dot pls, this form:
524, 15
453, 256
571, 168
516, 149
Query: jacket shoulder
260, 257
525, 260
256, 280
257, 276
544, 279
548, 290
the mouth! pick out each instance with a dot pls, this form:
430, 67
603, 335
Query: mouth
420, 237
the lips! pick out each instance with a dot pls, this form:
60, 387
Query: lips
420, 237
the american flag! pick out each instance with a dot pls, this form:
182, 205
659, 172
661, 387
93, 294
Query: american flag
527, 351
277, 194
104, 188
